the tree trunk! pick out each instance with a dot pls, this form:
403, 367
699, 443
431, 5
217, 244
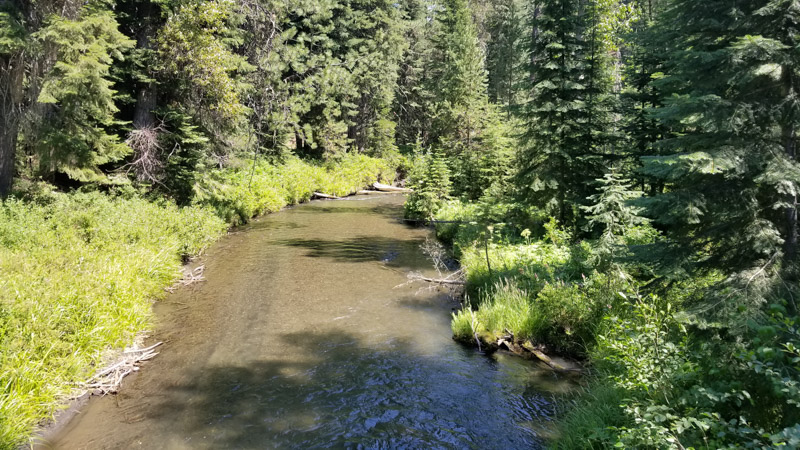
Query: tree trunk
790, 148
790, 243
147, 96
534, 38
11, 71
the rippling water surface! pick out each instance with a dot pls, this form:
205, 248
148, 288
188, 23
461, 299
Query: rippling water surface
304, 335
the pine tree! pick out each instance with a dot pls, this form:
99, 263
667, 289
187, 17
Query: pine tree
730, 168
457, 76
77, 100
569, 114
643, 59
611, 211
413, 100
504, 53
430, 179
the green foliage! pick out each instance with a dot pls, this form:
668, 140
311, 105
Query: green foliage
78, 97
193, 49
430, 179
505, 53
79, 274
12, 33
237, 195
569, 115
611, 210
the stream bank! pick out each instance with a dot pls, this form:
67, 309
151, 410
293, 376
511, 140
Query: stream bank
302, 335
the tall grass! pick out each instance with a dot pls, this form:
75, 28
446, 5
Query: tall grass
77, 276
542, 290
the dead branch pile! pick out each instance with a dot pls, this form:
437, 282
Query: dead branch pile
107, 380
148, 158
190, 276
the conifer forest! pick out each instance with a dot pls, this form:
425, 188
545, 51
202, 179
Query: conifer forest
617, 180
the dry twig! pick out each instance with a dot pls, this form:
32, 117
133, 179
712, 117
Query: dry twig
107, 380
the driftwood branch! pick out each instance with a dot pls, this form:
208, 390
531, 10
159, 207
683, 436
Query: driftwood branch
418, 277
190, 276
107, 380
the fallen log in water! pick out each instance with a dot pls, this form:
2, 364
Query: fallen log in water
387, 188
326, 196
368, 192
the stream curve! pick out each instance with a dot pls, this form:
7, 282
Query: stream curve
303, 336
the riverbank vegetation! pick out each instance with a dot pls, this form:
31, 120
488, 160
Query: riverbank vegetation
618, 179
134, 132
644, 217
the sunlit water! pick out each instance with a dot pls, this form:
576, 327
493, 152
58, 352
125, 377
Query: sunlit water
304, 335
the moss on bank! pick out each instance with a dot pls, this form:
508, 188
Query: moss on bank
78, 271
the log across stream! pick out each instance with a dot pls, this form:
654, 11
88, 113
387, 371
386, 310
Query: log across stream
306, 334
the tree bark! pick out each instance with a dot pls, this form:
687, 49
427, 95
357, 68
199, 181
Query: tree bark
11, 72
790, 148
147, 96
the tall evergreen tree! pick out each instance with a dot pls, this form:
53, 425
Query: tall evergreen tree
730, 167
504, 54
568, 114
458, 76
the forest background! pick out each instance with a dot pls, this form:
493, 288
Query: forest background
620, 178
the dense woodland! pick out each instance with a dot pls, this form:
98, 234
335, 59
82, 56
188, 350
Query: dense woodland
618, 178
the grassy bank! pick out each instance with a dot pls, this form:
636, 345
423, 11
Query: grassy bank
538, 285
78, 271
661, 376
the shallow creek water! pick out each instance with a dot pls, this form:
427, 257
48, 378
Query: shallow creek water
300, 337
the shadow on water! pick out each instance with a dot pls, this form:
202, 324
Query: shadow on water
394, 252
342, 207
386, 397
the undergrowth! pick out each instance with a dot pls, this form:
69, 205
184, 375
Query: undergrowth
662, 374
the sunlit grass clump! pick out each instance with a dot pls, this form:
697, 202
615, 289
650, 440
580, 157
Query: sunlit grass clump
78, 273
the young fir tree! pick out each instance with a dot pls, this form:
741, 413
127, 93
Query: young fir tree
569, 113
730, 168
430, 179
612, 213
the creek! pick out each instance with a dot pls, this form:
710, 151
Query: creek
305, 335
